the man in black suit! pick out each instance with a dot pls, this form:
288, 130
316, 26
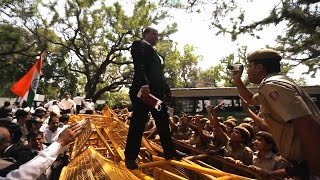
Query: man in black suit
10, 149
149, 77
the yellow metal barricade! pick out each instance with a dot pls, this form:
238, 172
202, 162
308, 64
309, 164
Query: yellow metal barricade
98, 153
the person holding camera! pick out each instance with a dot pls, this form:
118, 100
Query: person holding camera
293, 118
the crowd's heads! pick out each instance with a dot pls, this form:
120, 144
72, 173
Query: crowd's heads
34, 123
40, 112
6, 112
248, 120
53, 123
64, 118
267, 137
248, 127
66, 95
245, 134
230, 123
6, 104
35, 139
21, 113
4, 139
14, 130
175, 119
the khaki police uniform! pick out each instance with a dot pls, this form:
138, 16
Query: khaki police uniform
269, 162
282, 100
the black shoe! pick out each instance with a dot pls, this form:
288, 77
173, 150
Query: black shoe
177, 155
131, 164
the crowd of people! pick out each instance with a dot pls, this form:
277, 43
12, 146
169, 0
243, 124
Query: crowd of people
289, 120
24, 133
282, 139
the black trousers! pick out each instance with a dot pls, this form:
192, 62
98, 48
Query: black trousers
78, 108
65, 111
137, 125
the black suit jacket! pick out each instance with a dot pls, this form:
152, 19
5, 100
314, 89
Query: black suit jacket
20, 153
148, 70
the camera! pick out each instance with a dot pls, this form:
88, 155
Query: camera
234, 67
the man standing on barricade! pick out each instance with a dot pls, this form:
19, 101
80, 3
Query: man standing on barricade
148, 78
291, 115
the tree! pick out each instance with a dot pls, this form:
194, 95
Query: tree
88, 38
188, 64
98, 38
23, 38
181, 68
299, 43
17, 55
219, 75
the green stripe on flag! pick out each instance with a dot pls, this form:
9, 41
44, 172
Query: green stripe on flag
30, 98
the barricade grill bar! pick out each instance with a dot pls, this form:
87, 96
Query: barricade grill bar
98, 153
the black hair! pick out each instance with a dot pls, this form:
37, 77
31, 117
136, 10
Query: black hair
6, 103
20, 113
14, 130
31, 121
52, 115
269, 140
146, 31
34, 133
64, 118
271, 65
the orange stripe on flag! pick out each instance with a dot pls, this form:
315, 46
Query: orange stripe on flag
21, 87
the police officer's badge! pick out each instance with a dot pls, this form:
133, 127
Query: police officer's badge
274, 95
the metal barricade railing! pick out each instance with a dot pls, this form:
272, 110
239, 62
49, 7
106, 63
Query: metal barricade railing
102, 143
92, 165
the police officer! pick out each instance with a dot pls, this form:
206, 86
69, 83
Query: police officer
293, 118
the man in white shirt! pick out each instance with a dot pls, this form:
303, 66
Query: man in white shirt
89, 106
78, 101
53, 130
66, 105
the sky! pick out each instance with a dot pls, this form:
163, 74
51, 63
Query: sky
193, 29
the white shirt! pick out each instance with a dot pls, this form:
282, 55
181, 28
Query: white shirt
36, 166
78, 100
55, 109
49, 136
48, 104
89, 106
66, 104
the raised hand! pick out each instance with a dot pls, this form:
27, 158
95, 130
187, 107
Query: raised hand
69, 134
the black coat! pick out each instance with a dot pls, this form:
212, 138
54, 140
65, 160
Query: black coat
20, 154
148, 70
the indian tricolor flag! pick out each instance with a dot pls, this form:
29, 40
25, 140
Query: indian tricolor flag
26, 87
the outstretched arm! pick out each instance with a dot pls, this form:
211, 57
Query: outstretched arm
213, 117
260, 122
39, 164
244, 92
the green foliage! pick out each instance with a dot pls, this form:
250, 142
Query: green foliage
86, 42
181, 68
99, 36
18, 54
118, 99
300, 40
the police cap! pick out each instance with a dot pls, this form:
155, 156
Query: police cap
264, 54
